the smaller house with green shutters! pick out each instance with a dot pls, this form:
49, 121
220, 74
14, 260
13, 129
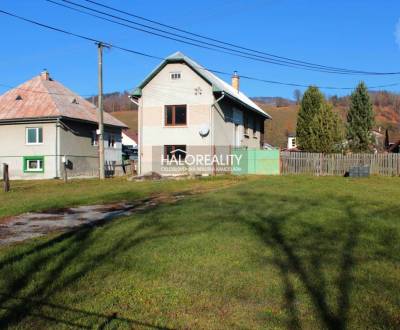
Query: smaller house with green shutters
44, 124
190, 120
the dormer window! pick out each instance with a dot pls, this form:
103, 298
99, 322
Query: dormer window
74, 101
175, 75
18, 98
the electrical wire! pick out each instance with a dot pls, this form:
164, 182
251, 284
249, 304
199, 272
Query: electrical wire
270, 56
161, 58
213, 47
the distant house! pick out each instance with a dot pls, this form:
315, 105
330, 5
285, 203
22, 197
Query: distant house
129, 139
291, 142
129, 145
184, 106
43, 123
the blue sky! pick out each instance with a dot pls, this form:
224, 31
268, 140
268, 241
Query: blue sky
356, 34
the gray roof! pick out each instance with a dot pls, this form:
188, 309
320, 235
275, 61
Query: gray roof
218, 84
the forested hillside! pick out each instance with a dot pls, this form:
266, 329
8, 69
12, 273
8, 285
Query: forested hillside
283, 112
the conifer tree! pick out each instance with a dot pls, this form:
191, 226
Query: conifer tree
311, 103
319, 128
360, 120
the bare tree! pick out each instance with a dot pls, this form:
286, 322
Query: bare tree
297, 96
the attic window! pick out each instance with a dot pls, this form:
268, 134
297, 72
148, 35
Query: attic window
18, 98
74, 101
175, 75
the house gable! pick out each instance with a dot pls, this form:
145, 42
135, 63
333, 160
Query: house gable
218, 85
190, 88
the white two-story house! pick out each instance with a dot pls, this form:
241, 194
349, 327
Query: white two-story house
187, 111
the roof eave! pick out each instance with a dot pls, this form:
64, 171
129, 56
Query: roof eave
94, 122
29, 119
235, 99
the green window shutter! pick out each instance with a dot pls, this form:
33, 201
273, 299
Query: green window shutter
40, 139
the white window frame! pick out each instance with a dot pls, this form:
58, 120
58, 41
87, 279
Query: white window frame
38, 169
176, 75
37, 135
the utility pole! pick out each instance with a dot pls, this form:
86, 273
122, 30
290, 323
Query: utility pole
100, 132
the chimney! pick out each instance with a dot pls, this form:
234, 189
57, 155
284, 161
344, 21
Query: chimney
45, 75
235, 81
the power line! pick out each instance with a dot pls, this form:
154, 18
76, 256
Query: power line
161, 58
213, 47
286, 59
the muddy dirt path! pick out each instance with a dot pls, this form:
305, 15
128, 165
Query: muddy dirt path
30, 225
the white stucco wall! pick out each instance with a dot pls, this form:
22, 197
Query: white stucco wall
57, 142
13, 148
162, 91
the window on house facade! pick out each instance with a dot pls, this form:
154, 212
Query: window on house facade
175, 75
246, 123
34, 164
175, 115
179, 151
255, 126
34, 135
111, 141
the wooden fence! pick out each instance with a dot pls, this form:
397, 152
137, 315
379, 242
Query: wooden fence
338, 164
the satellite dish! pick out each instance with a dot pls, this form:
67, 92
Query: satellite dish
204, 130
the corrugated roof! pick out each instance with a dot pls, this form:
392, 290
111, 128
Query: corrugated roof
217, 83
44, 98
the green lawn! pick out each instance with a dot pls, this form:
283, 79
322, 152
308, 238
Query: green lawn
275, 252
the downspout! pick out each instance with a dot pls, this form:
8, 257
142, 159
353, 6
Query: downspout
212, 127
139, 142
57, 160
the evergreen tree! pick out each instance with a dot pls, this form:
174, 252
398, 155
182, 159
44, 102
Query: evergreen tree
360, 120
328, 130
311, 103
319, 129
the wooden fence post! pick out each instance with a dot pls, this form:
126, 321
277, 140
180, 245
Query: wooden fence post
6, 178
65, 172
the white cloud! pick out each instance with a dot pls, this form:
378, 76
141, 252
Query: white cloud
397, 32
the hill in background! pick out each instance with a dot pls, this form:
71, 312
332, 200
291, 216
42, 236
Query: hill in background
129, 117
283, 112
284, 115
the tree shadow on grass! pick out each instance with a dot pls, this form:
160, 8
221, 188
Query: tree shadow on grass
50, 267
305, 253
104, 320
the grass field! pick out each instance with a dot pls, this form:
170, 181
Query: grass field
265, 253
